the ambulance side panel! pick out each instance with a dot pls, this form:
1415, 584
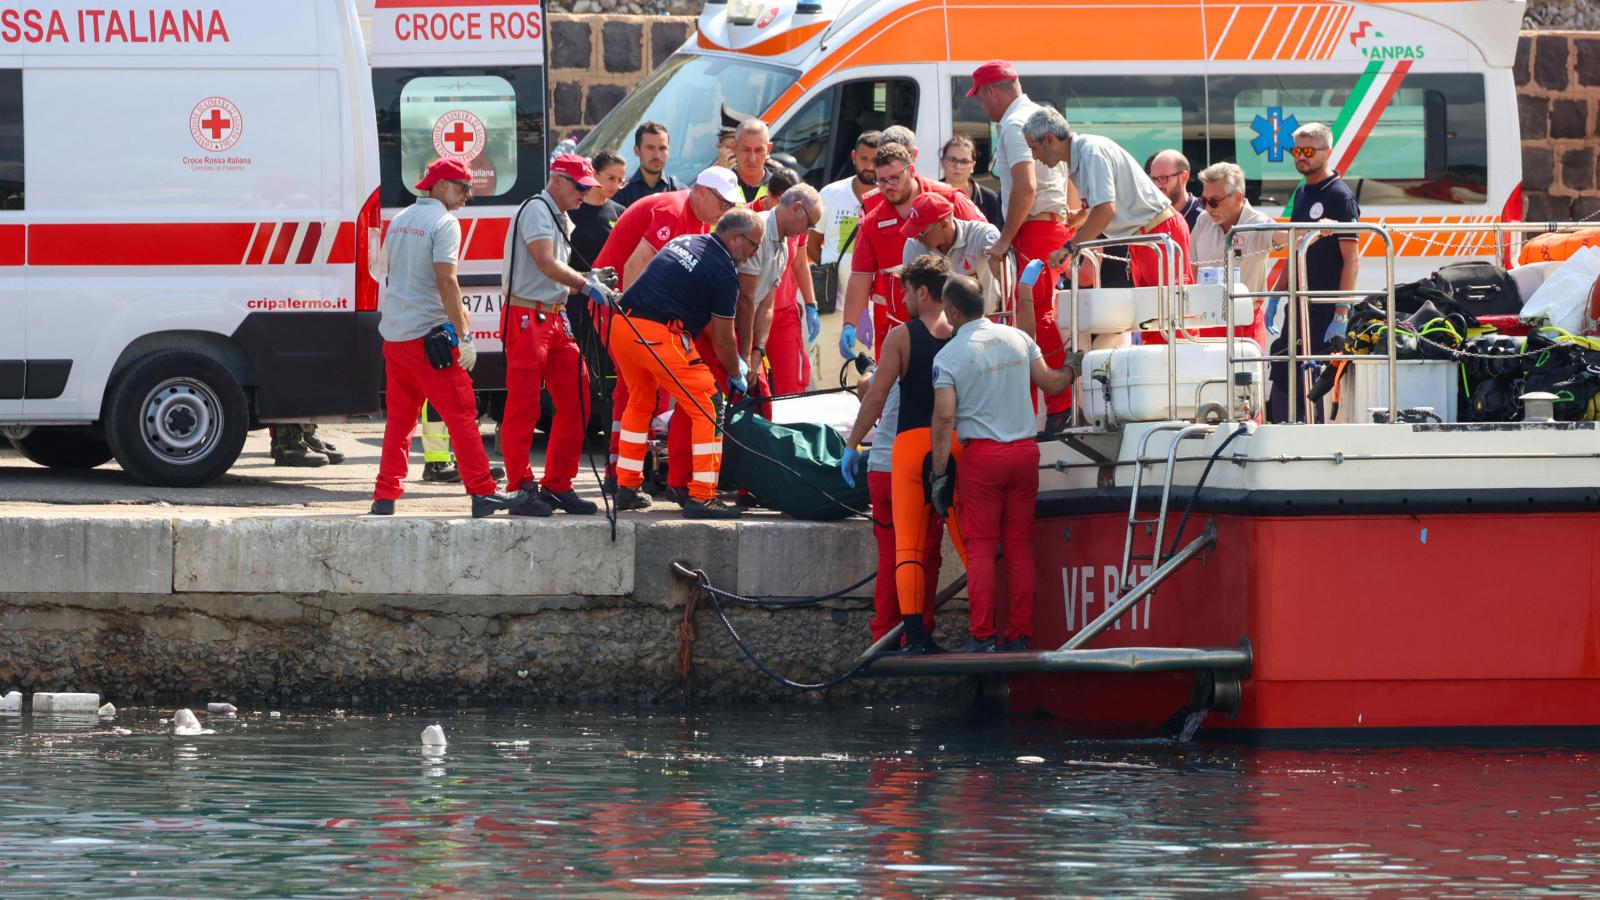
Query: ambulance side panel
13, 241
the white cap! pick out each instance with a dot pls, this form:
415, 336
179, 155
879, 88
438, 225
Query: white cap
723, 182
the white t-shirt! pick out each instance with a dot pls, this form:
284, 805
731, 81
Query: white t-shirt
422, 234
841, 212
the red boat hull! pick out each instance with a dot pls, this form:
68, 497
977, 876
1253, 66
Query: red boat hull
1355, 622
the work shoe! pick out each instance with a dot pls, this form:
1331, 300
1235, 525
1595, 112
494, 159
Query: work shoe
441, 473
296, 458
973, 645
568, 502
489, 504
529, 503
382, 507
326, 448
918, 642
497, 472
710, 509
1015, 645
629, 499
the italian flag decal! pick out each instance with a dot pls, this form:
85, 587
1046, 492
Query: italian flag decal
1361, 112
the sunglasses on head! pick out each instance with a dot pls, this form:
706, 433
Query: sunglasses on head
1306, 152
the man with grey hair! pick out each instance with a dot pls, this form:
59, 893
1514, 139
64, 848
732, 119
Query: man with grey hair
752, 147
1222, 196
1331, 262
1122, 199
900, 134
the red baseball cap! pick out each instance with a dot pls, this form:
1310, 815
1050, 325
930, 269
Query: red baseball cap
927, 209
576, 167
447, 169
990, 72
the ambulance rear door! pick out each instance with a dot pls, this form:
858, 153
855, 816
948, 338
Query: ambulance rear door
13, 239
465, 79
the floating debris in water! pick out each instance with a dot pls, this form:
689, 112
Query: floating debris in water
221, 709
1030, 760
433, 736
11, 702
185, 723
108, 711
274, 715
60, 703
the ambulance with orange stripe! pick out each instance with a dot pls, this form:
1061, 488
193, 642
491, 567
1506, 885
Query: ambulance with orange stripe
464, 78
188, 217
1419, 93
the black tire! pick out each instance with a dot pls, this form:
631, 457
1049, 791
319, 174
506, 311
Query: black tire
64, 448
176, 419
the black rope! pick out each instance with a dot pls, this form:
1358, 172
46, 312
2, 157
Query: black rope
1204, 474
785, 604
703, 584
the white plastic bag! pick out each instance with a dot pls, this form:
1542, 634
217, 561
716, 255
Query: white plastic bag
1563, 298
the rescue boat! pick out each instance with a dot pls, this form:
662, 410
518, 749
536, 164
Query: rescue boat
1395, 569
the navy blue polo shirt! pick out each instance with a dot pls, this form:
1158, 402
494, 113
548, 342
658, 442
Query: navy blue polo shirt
636, 188
1329, 198
691, 280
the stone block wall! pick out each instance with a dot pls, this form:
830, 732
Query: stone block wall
1558, 100
596, 60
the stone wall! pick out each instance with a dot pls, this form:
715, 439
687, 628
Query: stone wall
596, 60
1558, 99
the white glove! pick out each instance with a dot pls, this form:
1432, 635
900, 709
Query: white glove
469, 354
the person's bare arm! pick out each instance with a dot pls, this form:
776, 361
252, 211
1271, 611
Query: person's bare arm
726, 346
444, 275
1350, 249
1053, 381
883, 380
745, 317
814, 246
1019, 203
800, 268
544, 257
855, 296
944, 427
761, 328
637, 260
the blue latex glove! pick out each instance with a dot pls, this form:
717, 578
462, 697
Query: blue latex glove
847, 342
813, 324
451, 330
1271, 318
1340, 322
848, 463
1030, 273
738, 385
597, 293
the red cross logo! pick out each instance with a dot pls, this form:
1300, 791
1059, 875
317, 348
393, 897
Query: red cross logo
215, 124
459, 134
459, 137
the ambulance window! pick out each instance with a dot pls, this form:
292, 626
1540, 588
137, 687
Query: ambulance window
1144, 115
822, 135
11, 173
805, 136
491, 118
1426, 145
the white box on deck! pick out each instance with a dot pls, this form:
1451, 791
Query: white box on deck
1135, 378
1418, 382
1112, 310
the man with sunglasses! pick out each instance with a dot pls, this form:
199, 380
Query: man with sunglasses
422, 304
541, 352
1332, 261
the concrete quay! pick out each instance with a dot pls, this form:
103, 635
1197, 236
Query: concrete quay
240, 592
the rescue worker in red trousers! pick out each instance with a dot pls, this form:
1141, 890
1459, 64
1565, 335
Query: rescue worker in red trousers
1038, 203
907, 359
647, 225
540, 350
421, 308
982, 391
690, 286
879, 244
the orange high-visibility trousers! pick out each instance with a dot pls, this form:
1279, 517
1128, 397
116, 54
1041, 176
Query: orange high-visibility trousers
650, 356
912, 516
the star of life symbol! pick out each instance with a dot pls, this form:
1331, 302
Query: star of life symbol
1274, 133
215, 124
459, 134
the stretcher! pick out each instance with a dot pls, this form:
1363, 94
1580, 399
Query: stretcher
790, 462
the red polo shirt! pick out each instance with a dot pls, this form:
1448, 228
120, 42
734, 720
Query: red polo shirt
655, 219
879, 244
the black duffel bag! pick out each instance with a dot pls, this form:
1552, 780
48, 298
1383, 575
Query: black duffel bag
1482, 288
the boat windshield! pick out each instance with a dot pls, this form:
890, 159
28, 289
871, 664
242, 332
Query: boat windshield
694, 96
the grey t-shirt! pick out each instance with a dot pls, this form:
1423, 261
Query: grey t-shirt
881, 456
538, 224
422, 234
771, 259
989, 365
1103, 172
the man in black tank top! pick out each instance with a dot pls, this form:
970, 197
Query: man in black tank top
907, 359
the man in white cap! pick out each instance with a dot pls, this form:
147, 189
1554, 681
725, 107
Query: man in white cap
645, 228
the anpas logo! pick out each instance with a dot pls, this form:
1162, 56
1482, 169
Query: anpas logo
1365, 39
215, 124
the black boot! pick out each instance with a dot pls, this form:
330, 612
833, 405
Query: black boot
318, 445
568, 502
440, 473
918, 641
629, 499
489, 504
289, 448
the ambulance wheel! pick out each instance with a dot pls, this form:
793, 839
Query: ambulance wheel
63, 448
176, 419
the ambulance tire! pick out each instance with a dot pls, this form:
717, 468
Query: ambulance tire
64, 448
176, 419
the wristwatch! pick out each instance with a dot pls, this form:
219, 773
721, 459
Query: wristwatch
760, 350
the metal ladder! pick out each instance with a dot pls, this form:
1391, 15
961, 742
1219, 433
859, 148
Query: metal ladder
1185, 431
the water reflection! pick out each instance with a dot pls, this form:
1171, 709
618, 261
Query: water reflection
801, 801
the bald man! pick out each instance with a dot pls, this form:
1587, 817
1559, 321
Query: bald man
1169, 169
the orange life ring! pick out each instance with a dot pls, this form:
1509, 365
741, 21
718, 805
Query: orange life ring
1558, 247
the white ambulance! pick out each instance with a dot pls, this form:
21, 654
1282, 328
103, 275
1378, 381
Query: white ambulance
464, 78
188, 211
1419, 93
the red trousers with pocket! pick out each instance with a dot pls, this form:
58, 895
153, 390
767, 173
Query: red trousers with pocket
786, 352
410, 381
998, 484
885, 595
540, 352
1037, 240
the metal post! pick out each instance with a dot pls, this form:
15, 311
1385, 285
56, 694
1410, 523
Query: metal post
1118, 609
